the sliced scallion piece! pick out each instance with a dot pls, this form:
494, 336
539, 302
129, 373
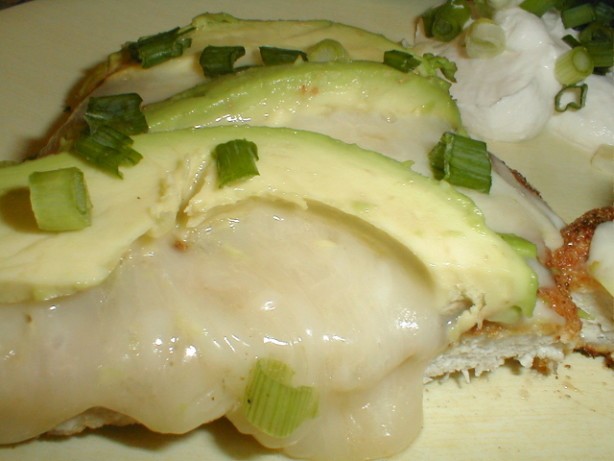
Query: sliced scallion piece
431, 63
484, 39
445, 22
571, 41
598, 39
272, 404
401, 60
537, 7
573, 66
220, 60
601, 52
235, 160
482, 9
108, 149
121, 111
155, 49
461, 161
272, 55
577, 93
604, 12
328, 50
578, 15
60, 200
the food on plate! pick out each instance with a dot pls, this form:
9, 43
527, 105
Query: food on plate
295, 246
583, 265
510, 93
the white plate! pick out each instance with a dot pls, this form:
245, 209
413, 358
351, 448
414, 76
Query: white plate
509, 414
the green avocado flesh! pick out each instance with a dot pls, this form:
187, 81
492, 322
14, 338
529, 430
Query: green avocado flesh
224, 29
266, 94
175, 186
120, 74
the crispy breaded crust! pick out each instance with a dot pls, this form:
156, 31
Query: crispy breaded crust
569, 261
569, 268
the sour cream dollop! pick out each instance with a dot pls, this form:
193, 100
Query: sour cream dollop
510, 97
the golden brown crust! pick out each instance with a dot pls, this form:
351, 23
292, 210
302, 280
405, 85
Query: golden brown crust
569, 268
559, 299
568, 263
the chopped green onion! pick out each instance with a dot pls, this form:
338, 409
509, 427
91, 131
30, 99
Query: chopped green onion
578, 94
571, 41
596, 32
122, 112
272, 55
445, 22
60, 200
328, 50
603, 12
537, 7
431, 63
578, 15
155, 49
401, 60
235, 160
484, 39
461, 161
598, 39
522, 246
573, 66
108, 149
272, 404
602, 53
220, 60
111, 119
482, 9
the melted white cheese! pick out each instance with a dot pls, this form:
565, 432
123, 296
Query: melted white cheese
508, 208
169, 339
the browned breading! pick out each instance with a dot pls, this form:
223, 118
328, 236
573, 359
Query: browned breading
570, 271
568, 263
559, 299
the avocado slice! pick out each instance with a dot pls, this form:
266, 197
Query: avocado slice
262, 95
120, 74
175, 187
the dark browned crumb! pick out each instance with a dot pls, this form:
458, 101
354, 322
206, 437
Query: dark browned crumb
568, 263
595, 353
543, 366
522, 180
559, 299
181, 245
568, 266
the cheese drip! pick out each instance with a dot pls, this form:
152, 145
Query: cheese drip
170, 338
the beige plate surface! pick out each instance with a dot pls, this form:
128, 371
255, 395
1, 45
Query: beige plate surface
510, 414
